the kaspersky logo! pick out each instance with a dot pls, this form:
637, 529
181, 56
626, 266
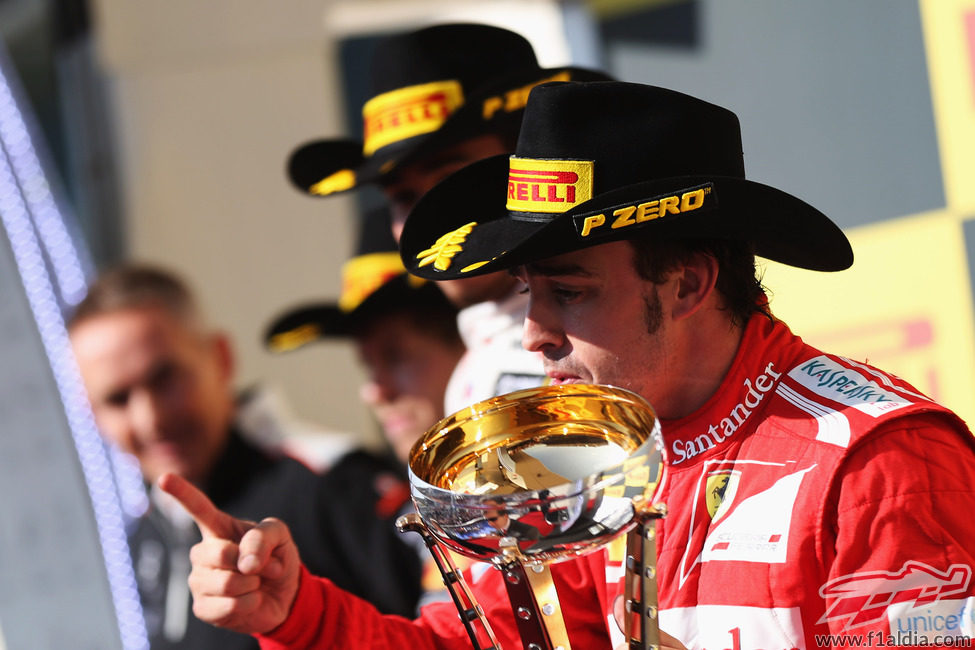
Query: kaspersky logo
862, 598
553, 186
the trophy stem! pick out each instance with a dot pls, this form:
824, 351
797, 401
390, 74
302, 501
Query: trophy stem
641, 626
535, 603
470, 612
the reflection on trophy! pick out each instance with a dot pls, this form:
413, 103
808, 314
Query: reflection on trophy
534, 477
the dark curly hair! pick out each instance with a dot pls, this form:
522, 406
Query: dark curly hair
738, 281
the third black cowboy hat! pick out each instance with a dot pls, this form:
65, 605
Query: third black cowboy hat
430, 88
603, 161
374, 285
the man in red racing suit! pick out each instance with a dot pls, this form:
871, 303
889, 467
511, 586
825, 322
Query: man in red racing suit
799, 499
808, 495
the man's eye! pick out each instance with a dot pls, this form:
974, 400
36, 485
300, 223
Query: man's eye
523, 290
566, 294
117, 400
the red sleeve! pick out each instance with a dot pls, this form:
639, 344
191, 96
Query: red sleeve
899, 534
325, 616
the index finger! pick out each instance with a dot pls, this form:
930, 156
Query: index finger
212, 521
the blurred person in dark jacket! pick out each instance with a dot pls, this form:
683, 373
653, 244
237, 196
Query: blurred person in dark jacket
160, 381
405, 333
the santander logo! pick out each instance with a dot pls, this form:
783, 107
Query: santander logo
755, 391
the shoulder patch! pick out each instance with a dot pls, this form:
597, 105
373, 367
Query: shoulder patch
829, 378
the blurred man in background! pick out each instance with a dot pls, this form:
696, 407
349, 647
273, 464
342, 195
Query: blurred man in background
441, 98
161, 386
403, 328
405, 333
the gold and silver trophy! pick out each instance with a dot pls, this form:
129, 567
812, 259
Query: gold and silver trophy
535, 477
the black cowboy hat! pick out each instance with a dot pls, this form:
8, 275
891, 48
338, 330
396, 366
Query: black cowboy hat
605, 161
430, 89
374, 284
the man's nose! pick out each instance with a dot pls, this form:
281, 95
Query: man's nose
543, 332
376, 390
398, 213
146, 413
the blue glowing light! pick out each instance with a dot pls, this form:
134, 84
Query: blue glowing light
35, 226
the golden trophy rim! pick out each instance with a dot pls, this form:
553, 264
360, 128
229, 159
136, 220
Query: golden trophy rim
622, 420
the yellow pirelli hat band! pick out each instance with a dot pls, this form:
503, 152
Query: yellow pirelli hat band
363, 275
407, 112
550, 186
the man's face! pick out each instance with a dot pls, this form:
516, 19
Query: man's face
412, 181
409, 183
408, 372
595, 320
497, 518
159, 390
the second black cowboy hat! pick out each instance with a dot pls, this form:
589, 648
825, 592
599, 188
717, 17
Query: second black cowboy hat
430, 88
605, 161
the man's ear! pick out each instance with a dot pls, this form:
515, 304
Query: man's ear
694, 280
224, 351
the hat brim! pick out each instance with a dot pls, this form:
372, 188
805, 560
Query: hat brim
313, 322
779, 226
299, 326
317, 160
